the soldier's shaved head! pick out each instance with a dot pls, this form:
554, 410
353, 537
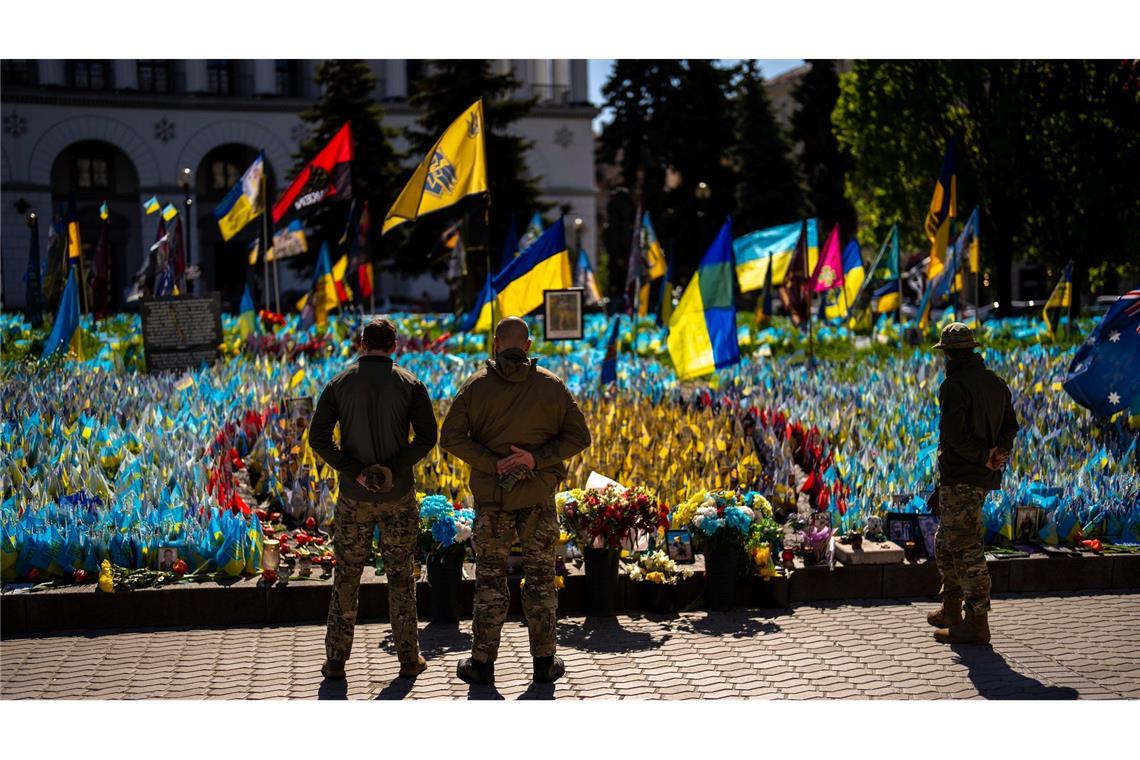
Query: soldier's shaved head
512, 332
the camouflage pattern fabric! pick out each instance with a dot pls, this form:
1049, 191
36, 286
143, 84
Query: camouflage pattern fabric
958, 546
352, 539
493, 534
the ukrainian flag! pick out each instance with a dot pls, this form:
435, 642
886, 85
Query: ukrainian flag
169, 211
519, 287
244, 202
325, 293
654, 253
74, 246
247, 316
702, 330
853, 276
943, 208
152, 206
752, 252
1062, 297
886, 299
454, 168
65, 330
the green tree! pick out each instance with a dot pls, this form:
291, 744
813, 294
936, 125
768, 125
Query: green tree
1049, 151
449, 88
672, 131
348, 88
825, 164
769, 190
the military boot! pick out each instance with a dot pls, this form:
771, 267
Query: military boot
950, 614
413, 670
474, 672
975, 629
333, 669
548, 669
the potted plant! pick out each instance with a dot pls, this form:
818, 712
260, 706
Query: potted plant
444, 536
723, 521
601, 520
656, 577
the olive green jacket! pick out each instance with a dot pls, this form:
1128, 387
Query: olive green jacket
977, 415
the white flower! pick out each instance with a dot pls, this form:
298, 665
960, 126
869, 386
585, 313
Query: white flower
462, 531
747, 513
634, 572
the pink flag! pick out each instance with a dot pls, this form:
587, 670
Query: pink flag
829, 270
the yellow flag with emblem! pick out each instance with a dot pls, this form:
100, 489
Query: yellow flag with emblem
454, 168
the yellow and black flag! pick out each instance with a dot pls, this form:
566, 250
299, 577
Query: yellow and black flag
1062, 297
453, 169
943, 208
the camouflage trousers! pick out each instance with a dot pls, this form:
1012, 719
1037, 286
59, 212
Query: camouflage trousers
352, 540
958, 546
492, 536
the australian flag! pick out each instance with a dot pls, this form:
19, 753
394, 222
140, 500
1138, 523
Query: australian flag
1103, 374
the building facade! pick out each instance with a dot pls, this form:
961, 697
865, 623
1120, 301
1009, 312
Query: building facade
122, 131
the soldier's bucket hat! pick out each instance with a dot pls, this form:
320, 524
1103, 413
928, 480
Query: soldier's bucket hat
956, 335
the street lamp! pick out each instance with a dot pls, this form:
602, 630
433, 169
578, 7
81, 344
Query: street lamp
186, 182
578, 232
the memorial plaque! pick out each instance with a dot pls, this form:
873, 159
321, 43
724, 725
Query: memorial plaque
181, 332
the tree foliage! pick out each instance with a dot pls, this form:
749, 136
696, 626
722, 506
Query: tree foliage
1049, 151
825, 164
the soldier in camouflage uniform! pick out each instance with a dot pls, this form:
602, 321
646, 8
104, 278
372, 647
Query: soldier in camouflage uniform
375, 402
976, 431
515, 424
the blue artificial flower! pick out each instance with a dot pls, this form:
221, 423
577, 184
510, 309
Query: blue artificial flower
435, 506
443, 531
711, 525
735, 518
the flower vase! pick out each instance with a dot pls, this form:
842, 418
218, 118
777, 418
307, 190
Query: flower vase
659, 598
445, 579
722, 565
601, 581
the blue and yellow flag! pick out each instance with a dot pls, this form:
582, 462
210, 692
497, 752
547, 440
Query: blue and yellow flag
609, 361
324, 292
152, 206
74, 245
531, 234
454, 168
169, 211
943, 208
652, 250
752, 252
510, 244
840, 303
1062, 296
104, 212
517, 290
65, 331
886, 299
702, 330
247, 315
587, 280
244, 202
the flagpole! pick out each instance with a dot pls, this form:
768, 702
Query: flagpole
807, 290
265, 245
898, 275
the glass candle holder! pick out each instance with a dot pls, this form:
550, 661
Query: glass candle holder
271, 554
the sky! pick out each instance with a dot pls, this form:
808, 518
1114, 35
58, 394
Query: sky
600, 68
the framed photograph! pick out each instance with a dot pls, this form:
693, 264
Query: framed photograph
902, 527
927, 528
562, 312
680, 546
1026, 524
167, 556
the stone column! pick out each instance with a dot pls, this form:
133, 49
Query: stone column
126, 74
396, 78
264, 76
541, 78
53, 73
579, 81
197, 78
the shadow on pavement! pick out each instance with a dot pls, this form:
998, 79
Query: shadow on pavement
538, 691
606, 634
435, 639
483, 692
397, 689
739, 624
333, 689
995, 679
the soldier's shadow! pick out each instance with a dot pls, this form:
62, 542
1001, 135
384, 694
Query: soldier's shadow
606, 634
435, 639
993, 677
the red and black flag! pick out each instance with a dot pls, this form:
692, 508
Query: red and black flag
795, 292
328, 177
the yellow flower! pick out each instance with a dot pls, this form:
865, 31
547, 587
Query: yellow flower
655, 577
106, 581
559, 582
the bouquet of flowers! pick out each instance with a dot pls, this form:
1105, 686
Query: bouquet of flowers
604, 519
442, 525
654, 567
723, 517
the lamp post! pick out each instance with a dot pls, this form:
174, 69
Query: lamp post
186, 182
578, 223
703, 193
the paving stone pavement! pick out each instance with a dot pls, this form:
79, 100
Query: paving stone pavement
1080, 644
